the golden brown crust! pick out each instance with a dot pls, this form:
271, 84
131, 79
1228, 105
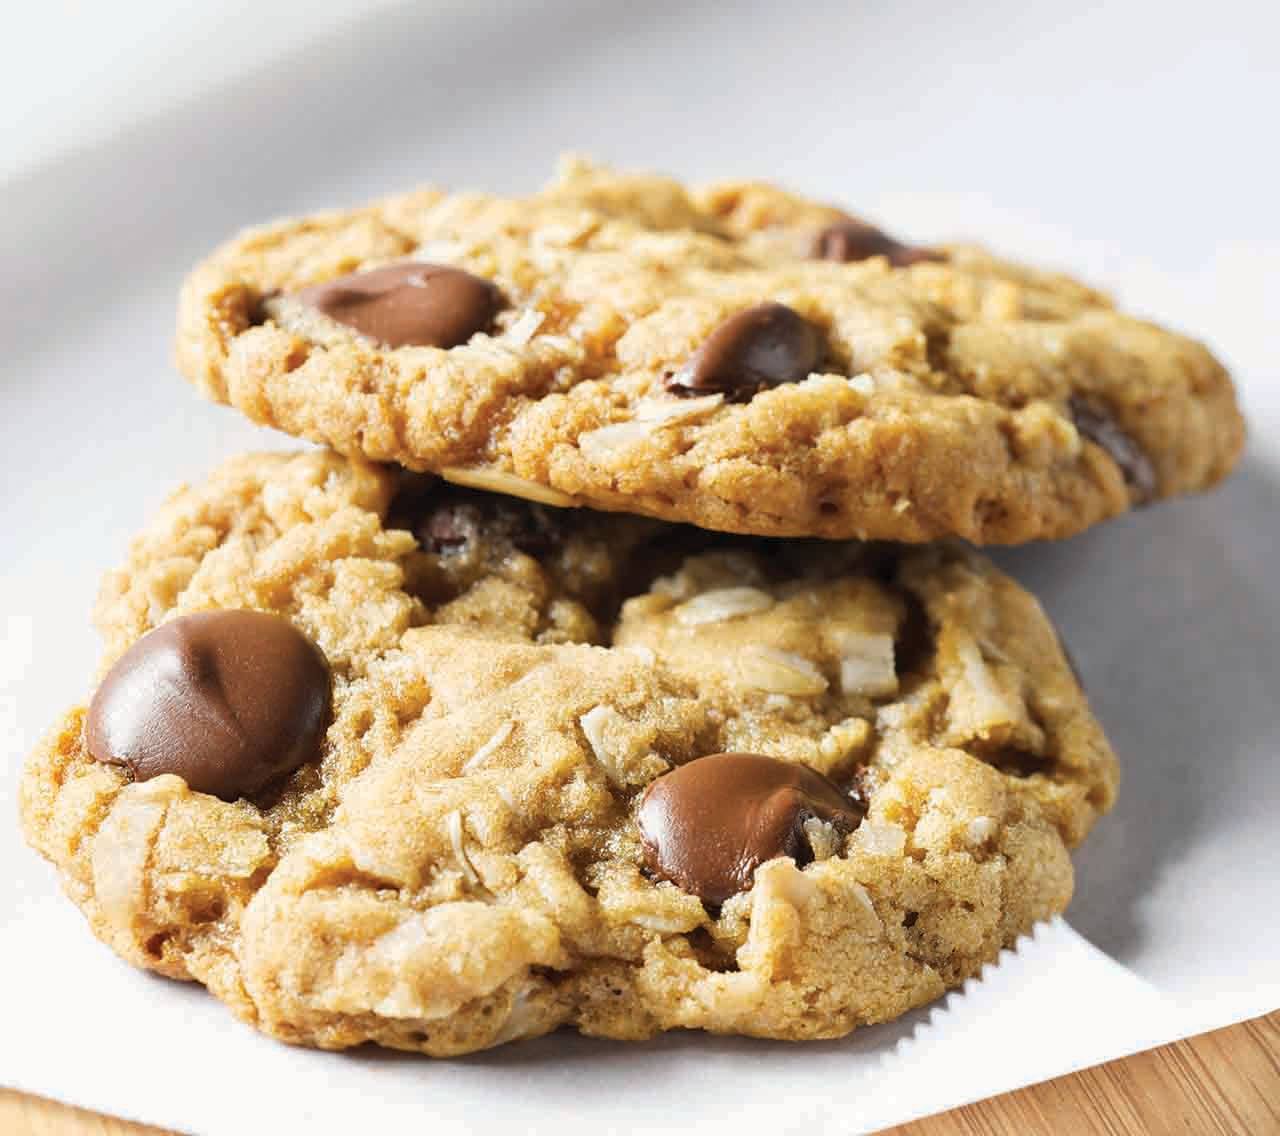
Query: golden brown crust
945, 408
462, 867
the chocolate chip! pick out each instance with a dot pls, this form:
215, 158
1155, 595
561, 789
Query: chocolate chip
850, 240
227, 700
760, 347
448, 519
454, 524
421, 305
448, 527
708, 825
1099, 427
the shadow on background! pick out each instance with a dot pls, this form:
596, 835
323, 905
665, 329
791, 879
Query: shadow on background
1174, 617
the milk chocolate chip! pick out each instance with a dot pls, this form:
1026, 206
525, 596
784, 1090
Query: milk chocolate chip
850, 240
708, 825
1100, 428
227, 700
756, 348
401, 305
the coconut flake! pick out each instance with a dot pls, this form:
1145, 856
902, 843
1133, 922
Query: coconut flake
779, 672
672, 411
993, 704
720, 604
866, 663
595, 724
600, 444
499, 481
500, 735
864, 911
525, 328
980, 830
823, 837
879, 839
453, 826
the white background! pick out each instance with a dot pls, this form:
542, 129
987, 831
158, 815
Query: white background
1134, 144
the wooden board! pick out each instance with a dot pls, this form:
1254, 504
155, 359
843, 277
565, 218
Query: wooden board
1226, 1082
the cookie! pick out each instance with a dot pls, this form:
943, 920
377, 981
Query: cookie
375, 758
733, 357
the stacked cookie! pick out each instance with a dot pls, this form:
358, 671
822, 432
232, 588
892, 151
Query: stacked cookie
617, 665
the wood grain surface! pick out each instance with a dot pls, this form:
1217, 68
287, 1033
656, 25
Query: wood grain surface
1225, 1082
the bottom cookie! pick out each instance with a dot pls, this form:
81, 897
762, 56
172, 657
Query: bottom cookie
483, 769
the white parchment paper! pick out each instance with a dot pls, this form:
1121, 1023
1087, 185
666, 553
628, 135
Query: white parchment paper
1103, 142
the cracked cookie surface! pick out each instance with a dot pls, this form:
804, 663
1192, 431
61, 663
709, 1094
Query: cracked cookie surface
467, 859
916, 394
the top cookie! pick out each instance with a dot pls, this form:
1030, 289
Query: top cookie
732, 356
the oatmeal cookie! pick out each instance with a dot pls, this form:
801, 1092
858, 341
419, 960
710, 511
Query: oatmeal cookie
734, 357
377, 758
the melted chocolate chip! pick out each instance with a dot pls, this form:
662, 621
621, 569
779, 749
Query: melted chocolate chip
448, 519
760, 347
401, 305
708, 825
1100, 428
227, 700
850, 240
